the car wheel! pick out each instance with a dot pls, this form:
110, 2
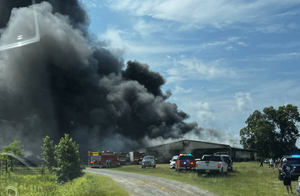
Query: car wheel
221, 171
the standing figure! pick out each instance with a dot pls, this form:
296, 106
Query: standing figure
272, 163
261, 163
287, 169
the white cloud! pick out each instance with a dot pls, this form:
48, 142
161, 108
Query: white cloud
179, 89
242, 44
117, 39
281, 57
277, 28
205, 117
229, 48
114, 39
91, 3
147, 28
274, 28
196, 14
204, 113
243, 100
201, 106
186, 68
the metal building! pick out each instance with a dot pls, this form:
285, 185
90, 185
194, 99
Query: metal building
165, 152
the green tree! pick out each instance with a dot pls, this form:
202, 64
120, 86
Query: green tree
48, 154
15, 148
258, 134
284, 119
273, 133
69, 165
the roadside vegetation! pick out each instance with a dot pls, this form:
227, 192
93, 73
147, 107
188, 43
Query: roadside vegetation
36, 185
61, 175
247, 179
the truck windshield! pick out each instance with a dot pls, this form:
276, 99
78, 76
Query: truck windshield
186, 158
212, 158
148, 158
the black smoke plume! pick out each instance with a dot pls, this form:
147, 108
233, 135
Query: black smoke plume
66, 84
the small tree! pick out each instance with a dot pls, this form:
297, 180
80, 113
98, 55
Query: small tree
69, 165
15, 148
48, 154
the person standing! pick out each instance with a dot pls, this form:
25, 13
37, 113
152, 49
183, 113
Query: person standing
272, 163
261, 163
287, 169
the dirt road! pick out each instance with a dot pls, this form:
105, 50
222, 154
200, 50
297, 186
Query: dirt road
137, 184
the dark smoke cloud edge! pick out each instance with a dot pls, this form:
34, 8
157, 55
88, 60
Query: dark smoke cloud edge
63, 85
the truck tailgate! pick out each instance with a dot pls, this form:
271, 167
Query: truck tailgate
208, 165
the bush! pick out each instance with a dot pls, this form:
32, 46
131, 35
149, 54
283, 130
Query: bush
69, 165
48, 154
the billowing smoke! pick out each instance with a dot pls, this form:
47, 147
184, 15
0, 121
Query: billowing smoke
65, 83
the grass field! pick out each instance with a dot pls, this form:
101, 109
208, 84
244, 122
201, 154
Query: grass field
36, 185
247, 179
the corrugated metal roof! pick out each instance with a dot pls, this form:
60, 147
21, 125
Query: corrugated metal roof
193, 144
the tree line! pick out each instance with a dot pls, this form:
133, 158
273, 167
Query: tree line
61, 160
273, 132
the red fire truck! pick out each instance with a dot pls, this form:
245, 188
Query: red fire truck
102, 159
122, 158
93, 159
136, 157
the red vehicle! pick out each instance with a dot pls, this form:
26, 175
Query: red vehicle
136, 157
185, 162
108, 159
122, 158
93, 159
102, 159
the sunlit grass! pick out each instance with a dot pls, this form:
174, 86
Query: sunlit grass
36, 185
247, 179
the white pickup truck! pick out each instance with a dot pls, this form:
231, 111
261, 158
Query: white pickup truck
211, 164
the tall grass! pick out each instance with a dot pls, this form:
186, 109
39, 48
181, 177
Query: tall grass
36, 185
247, 179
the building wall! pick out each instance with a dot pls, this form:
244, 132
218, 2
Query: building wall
164, 153
164, 156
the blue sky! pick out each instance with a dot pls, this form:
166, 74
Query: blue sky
221, 59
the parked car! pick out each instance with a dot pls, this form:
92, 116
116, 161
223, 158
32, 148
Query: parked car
149, 161
267, 161
229, 161
211, 164
173, 161
185, 162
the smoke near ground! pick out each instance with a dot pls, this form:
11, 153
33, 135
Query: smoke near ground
68, 84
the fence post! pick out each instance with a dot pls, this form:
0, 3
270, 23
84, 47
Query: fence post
6, 165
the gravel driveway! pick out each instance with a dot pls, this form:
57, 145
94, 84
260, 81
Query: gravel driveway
137, 184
